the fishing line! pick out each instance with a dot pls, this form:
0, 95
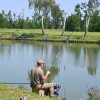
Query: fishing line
57, 55
66, 42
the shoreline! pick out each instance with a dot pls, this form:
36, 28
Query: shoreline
53, 40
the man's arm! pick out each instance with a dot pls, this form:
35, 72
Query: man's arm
47, 74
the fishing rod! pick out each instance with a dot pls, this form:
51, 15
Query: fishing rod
49, 69
41, 56
14, 83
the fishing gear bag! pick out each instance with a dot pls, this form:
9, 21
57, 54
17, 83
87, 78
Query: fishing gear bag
56, 90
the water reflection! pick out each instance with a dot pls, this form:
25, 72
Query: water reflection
85, 56
79, 56
76, 67
92, 70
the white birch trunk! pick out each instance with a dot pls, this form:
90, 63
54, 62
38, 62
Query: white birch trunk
42, 26
63, 30
87, 25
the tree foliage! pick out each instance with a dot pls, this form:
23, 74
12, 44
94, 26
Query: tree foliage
56, 14
42, 8
73, 23
84, 10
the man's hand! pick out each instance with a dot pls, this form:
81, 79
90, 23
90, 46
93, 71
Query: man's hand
48, 72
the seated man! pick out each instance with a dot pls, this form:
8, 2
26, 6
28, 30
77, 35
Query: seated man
38, 79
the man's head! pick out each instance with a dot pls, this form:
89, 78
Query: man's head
39, 62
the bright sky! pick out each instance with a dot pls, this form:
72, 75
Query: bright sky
17, 6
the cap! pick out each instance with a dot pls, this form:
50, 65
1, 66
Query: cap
40, 61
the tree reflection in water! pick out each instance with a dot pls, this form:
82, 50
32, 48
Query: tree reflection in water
54, 72
91, 70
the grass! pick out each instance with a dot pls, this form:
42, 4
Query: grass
51, 34
14, 93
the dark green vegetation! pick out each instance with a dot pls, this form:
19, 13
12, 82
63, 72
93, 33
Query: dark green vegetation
74, 22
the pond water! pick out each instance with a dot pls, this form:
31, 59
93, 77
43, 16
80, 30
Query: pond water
76, 67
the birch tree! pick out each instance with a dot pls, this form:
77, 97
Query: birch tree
42, 7
87, 25
65, 17
89, 9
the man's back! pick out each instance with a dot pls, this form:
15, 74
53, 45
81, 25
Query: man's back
37, 76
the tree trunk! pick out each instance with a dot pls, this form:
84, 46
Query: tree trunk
63, 30
42, 26
87, 25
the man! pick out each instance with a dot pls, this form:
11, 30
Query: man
38, 79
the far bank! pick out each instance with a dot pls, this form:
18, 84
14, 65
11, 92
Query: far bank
51, 35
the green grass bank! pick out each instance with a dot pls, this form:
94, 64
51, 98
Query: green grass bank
15, 93
51, 35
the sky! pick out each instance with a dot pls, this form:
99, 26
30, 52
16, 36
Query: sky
17, 6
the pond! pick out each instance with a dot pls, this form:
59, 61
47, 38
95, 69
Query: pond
76, 67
